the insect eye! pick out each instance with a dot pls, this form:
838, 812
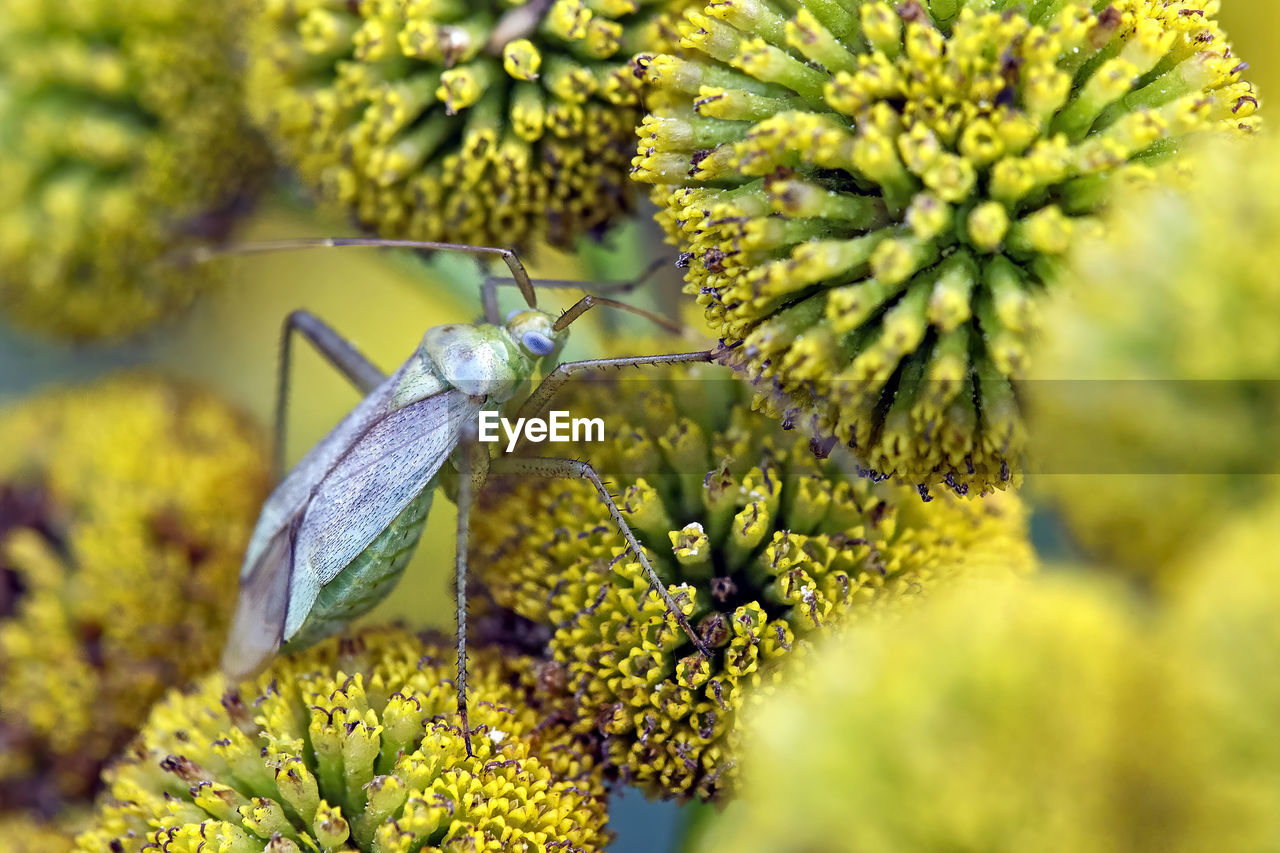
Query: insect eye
511, 315
538, 343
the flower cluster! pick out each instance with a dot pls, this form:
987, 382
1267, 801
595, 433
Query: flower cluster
22, 834
1156, 393
125, 507
352, 745
872, 198
763, 544
1049, 715
1223, 612
491, 123
122, 140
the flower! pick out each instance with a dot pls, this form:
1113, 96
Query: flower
1155, 417
871, 200
21, 834
1223, 604
352, 745
1045, 715
125, 506
764, 545
122, 141
495, 123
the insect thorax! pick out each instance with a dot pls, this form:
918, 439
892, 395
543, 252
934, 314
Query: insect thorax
480, 361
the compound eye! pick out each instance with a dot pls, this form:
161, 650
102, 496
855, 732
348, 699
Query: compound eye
514, 312
538, 343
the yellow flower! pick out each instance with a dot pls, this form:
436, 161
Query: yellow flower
1045, 716
1224, 626
1156, 416
352, 745
125, 507
872, 198
497, 123
21, 834
122, 141
764, 545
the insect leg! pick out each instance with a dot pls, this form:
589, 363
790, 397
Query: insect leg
337, 350
537, 401
489, 287
575, 470
470, 479
589, 301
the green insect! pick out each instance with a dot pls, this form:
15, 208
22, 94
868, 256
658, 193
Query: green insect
336, 534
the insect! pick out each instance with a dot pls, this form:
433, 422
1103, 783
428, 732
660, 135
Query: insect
335, 535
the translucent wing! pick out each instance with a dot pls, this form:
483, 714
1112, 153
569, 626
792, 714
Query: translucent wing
289, 499
260, 610
382, 471
257, 629
276, 581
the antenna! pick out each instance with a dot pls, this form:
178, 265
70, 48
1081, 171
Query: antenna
203, 254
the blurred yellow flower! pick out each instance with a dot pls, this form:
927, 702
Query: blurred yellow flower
1225, 627
125, 506
1047, 715
1156, 417
121, 140
21, 834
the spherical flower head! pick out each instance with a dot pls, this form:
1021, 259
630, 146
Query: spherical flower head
1159, 361
1002, 717
122, 142
871, 198
763, 545
353, 745
125, 507
491, 123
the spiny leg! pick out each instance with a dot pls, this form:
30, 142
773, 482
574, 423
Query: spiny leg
589, 301
538, 400
572, 469
335, 349
468, 475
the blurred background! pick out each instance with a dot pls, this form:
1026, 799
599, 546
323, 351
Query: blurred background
383, 301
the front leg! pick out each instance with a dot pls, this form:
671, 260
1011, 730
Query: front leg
537, 401
575, 470
473, 465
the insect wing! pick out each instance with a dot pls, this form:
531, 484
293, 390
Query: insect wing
289, 499
389, 465
260, 610
257, 629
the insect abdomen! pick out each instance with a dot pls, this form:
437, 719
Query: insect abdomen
367, 579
